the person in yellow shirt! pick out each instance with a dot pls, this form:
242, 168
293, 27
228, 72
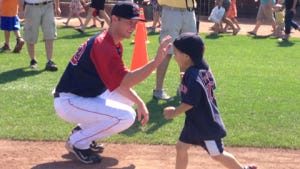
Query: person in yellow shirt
10, 22
177, 17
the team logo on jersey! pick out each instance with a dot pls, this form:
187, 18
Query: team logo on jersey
75, 59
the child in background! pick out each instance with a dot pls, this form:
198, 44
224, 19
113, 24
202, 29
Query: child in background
96, 17
10, 22
232, 15
279, 18
290, 12
76, 9
203, 124
156, 14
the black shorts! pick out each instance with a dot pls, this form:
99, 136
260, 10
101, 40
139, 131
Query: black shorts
98, 4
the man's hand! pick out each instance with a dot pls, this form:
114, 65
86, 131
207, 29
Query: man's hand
164, 46
143, 114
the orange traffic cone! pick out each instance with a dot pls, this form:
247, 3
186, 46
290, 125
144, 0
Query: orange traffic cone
140, 54
142, 15
144, 26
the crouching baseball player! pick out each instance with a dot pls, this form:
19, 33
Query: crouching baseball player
95, 91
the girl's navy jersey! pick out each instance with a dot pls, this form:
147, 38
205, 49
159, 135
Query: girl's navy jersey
203, 121
95, 67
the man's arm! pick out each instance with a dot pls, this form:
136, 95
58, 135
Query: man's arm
142, 111
57, 7
133, 78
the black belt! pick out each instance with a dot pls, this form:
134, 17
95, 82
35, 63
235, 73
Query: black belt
41, 3
55, 94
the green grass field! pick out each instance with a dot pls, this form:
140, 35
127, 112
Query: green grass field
258, 92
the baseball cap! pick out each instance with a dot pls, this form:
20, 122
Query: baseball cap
127, 10
191, 44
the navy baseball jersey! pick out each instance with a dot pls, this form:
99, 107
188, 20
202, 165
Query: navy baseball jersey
203, 121
95, 67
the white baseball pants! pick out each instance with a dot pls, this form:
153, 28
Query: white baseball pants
98, 117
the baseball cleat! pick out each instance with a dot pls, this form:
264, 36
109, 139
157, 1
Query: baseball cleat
97, 148
250, 167
86, 156
94, 146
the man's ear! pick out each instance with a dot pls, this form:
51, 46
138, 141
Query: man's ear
114, 18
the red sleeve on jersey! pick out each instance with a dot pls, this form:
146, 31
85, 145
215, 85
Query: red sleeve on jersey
108, 61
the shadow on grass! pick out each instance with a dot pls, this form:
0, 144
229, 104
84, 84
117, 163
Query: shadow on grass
153, 33
258, 37
107, 163
89, 32
285, 43
12, 75
156, 120
213, 36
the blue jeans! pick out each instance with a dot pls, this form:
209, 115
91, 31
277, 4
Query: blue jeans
289, 22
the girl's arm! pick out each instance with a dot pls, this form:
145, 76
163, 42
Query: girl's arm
171, 112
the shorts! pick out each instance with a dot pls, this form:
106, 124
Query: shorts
176, 21
98, 4
265, 13
212, 147
10, 23
156, 6
96, 13
36, 16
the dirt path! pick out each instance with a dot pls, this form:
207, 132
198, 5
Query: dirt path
245, 24
52, 155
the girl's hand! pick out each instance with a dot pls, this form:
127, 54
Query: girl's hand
169, 112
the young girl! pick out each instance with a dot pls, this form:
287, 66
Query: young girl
76, 9
203, 124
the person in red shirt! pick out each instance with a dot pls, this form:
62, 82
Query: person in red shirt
95, 92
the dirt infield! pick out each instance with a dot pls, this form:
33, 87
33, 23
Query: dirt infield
53, 155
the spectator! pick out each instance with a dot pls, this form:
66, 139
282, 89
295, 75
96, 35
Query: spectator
75, 9
203, 124
232, 15
95, 5
198, 15
96, 17
10, 22
264, 14
225, 4
40, 13
290, 12
177, 17
156, 15
95, 90
279, 18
